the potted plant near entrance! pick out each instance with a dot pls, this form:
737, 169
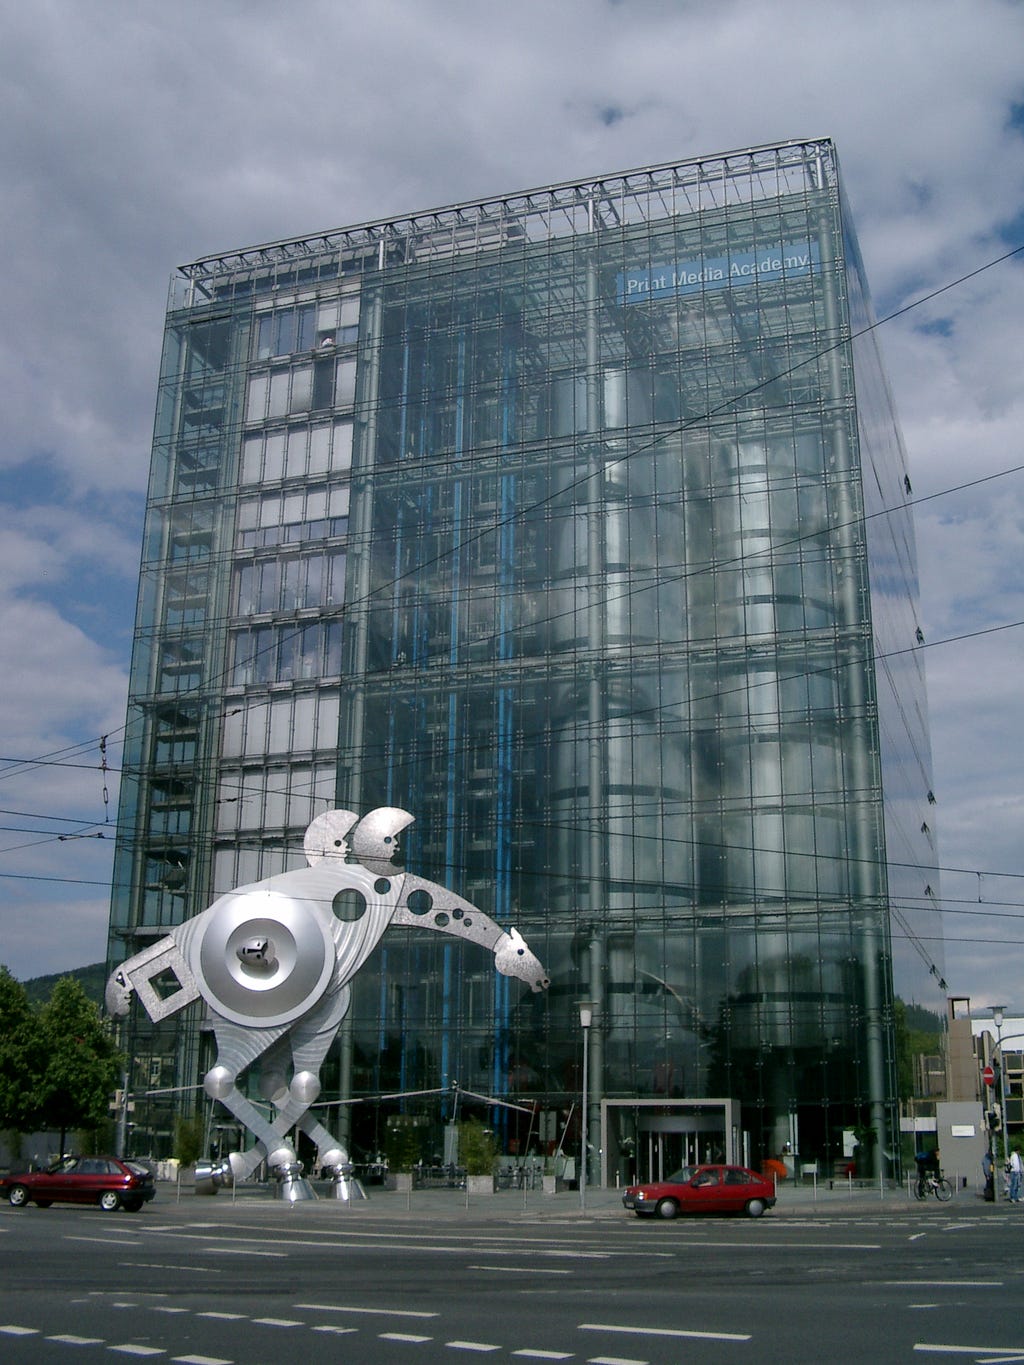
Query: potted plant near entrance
477, 1154
402, 1145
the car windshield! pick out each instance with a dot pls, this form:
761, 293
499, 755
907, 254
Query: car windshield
682, 1176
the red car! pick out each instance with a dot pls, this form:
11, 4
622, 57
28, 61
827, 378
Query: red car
103, 1180
702, 1189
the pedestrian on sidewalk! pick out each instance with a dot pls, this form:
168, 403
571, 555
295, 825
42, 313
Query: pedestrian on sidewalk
1016, 1171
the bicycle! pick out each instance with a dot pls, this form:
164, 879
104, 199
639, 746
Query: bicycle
933, 1184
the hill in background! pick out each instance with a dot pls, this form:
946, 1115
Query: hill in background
92, 979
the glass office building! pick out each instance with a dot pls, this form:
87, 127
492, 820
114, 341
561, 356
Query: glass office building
575, 522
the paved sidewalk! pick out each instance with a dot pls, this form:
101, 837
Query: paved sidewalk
793, 1201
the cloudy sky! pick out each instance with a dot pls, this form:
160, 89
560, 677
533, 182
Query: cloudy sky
139, 135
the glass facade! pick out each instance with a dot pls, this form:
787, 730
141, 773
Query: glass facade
576, 524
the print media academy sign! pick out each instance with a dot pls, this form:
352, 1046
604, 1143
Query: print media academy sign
787, 261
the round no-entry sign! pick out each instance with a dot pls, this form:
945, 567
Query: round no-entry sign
988, 1076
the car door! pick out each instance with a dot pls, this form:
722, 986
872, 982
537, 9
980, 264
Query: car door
705, 1190
90, 1179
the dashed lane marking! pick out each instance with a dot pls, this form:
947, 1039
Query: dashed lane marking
380, 1312
948, 1349
403, 1336
520, 1269
200, 1360
11, 1329
543, 1355
663, 1332
614, 1360
67, 1339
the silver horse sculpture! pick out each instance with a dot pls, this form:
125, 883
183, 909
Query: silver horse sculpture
273, 962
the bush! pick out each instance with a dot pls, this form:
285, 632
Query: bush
477, 1151
188, 1139
403, 1143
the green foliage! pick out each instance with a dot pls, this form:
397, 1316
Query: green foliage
21, 1057
403, 1143
918, 1032
188, 1139
81, 1062
477, 1151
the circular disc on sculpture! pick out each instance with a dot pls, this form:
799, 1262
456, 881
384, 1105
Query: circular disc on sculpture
264, 958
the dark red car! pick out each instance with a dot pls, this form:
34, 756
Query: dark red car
103, 1180
702, 1189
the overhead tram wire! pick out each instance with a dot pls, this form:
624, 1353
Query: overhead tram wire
644, 447
677, 430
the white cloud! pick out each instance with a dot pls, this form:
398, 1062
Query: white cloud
137, 137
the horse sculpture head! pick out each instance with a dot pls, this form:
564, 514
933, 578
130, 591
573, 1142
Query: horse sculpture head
515, 958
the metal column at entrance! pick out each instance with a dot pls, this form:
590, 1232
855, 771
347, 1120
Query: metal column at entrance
649, 1139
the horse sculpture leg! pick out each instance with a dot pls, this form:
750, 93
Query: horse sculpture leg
237, 1047
310, 1040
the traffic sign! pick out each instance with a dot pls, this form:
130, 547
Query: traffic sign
989, 1077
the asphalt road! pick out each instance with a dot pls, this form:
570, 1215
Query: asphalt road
257, 1282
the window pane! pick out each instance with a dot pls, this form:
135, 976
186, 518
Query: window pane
345, 383
302, 388
341, 455
295, 464
256, 403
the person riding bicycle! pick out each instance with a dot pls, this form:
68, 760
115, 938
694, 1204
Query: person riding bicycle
927, 1165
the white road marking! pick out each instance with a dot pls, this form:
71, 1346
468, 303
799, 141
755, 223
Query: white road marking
166, 1308
1002, 1353
519, 1270
945, 1284
200, 1360
472, 1346
663, 1332
381, 1312
69, 1340
944, 1348
105, 1241
222, 1317
544, 1355
614, 1360
130, 1349
161, 1265
278, 1322
403, 1336
11, 1329
246, 1251
917, 1236
335, 1331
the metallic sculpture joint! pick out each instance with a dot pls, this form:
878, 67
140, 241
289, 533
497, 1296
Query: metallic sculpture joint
273, 960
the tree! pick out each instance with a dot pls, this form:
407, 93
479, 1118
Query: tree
21, 1057
477, 1151
81, 1062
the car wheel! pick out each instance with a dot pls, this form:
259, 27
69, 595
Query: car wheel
109, 1201
667, 1208
18, 1196
755, 1207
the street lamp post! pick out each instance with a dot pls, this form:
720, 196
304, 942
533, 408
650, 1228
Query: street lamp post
586, 1009
997, 1019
